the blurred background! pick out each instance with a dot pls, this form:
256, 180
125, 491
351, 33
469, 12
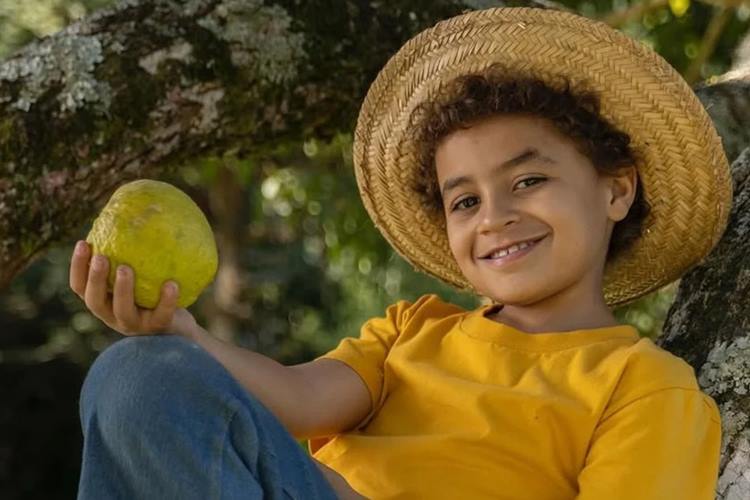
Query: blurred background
301, 264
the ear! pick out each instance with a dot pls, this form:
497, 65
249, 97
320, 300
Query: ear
621, 189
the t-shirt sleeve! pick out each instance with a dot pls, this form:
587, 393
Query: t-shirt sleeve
664, 445
366, 354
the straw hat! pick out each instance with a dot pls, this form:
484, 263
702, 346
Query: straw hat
684, 170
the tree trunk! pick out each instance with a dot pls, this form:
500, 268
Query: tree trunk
229, 202
136, 90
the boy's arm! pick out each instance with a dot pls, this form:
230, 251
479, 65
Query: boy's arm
318, 398
310, 399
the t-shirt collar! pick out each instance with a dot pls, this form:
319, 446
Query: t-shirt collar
476, 324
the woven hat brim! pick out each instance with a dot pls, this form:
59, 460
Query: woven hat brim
684, 172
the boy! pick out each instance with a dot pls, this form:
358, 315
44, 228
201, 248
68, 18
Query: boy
482, 170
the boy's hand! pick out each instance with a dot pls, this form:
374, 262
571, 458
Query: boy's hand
119, 310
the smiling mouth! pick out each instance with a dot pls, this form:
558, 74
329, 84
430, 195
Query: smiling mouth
512, 257
527, 244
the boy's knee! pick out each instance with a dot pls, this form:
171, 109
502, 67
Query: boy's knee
137, 377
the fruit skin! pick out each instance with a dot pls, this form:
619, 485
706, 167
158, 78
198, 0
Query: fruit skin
159, 231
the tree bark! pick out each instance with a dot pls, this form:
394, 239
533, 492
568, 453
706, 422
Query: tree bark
139, 89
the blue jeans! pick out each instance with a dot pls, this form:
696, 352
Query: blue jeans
163, 419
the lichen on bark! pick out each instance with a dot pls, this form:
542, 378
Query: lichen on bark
733, 483
69, 61
727, 367
260, 38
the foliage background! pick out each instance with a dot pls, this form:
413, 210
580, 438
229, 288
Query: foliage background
313, 267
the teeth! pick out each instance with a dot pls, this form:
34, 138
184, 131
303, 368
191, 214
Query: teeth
510, 250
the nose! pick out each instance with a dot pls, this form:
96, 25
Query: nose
495, 214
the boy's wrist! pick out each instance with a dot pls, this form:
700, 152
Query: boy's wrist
184, 324
193, 332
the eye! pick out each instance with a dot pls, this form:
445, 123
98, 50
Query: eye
462, 203
531, 179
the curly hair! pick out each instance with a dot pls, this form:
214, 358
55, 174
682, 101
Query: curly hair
473, 97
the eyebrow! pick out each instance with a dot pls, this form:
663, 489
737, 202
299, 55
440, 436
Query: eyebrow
527, 155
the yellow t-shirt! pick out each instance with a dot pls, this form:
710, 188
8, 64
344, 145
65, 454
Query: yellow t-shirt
466, 407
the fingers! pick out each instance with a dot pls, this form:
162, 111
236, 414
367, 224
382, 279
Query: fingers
95, 295
161, 318
123, 304
88, 279
136, 319
79, 268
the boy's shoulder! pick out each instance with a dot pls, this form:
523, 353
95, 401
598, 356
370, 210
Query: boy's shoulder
646, 360
646, 369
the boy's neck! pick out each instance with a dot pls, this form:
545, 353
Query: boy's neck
495, 313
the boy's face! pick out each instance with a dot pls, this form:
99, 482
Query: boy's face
556, 195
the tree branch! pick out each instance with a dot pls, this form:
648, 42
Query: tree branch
146, 86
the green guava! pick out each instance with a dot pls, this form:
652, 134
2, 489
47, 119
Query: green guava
161, 234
